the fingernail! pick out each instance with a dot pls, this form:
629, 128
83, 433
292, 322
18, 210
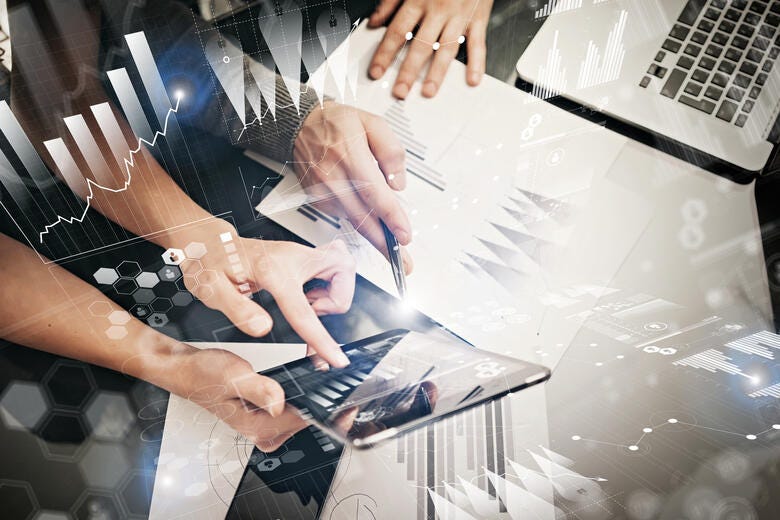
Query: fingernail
474, 78
342, 359
429, 89
376, 71
258, 324
400, 90
403, 237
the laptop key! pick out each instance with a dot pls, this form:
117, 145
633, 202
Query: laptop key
752, 19
774, 52
673, 84
767, 31
720, 80
733, 15
735, 93
741, 120
745, 30
713, 92
704, 105
757, 7
739, 4
772, 19
714, 50
712, 14
659, 56
726, 111
685, 62
754, 92
775, 7
727, 26
761, 43
694, 89
748, 105
739, 42
742, 81
656, 70
706, 26
748, 68
679, 32
761, 79
767, 66
726, 66
692, 50
733, 54
671, 46
755, 55
720, 38
645, 82
707, 63
700, 76
699, 37
691, 11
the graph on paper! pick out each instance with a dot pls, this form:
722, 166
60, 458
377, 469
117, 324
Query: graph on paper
713, 361
557, 6
552, 76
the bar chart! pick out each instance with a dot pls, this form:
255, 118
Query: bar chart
55, 219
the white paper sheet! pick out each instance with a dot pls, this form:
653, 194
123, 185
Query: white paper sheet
508, 199
201, 458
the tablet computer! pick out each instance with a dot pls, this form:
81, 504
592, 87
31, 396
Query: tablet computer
398, 381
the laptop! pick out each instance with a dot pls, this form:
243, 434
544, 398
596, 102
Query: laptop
699, 75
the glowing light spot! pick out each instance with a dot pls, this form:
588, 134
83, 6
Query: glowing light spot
776, 426
672, 421
750, 437
647, 430
461, 38
575, 437
409, 36
226, 59
633, 447
436, 46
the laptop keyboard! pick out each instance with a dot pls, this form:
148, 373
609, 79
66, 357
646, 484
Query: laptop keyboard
723, 51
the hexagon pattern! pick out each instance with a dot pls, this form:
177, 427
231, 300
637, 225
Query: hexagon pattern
100, 308
51, 515
144, 296
103, 465
269, 464
181, 299
17, 499
106, 276
110, 416
147, 280
195, 250
157, 320
119, 317
23, 405
128, 269
169, 273
173, 256
93, 505
116, 332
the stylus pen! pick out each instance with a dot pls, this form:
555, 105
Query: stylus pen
396, 261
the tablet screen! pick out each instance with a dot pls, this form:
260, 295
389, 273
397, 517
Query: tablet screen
397, 380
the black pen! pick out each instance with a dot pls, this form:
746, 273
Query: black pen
396, 261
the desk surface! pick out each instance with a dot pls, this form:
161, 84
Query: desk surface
643, 430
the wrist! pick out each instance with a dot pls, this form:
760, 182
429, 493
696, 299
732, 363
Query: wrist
159, 361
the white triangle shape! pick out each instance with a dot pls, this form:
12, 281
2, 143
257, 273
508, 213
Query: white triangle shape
227, 61
284, 33
446, 510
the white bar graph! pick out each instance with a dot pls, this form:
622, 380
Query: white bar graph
770, 391
557, 6
552, 77
150, 76
131, 105
89, 149
758, 344
602, 68
112, 132
67, 165
712, 361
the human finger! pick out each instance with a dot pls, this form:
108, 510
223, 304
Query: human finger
476, 47
217, 292
443, 57
304, 321
419, 53
387, 149
383, 12
394, 39
376, 194
262, 392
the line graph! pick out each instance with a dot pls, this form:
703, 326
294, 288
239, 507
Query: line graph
672, 421
129, 163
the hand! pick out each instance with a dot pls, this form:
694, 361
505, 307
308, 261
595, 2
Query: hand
440, 21
228, 387
351, 161
230, 271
